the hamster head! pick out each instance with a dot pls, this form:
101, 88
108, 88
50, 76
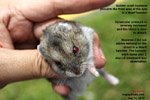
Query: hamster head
66, 48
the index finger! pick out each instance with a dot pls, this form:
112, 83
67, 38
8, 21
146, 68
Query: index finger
41, 10
78, 6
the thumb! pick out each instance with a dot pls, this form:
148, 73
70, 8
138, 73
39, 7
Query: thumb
5, 39
99, 58
19, 65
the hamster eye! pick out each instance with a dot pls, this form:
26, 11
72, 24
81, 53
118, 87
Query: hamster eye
57, 63
75, 49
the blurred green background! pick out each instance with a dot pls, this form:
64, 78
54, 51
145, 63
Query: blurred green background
133, 76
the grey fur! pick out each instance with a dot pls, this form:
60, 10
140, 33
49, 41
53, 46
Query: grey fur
57, 44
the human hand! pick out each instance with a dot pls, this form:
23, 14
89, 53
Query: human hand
21, 22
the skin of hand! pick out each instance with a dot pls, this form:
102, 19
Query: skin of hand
21, 25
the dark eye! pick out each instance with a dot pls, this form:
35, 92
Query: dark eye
57, 63
75, 50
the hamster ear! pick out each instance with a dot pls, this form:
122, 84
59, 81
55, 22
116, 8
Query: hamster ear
50, 38
42, 51
54, 41
38, 48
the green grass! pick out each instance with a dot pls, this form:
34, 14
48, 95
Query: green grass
132, 76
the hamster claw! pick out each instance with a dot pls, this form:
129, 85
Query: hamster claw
93, 71
38, 48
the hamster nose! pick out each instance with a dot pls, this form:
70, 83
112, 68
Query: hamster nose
77, 71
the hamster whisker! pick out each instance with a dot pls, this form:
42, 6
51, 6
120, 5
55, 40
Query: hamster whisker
81, 62
62, 81
85, 63
59, 82
87, 60
86, 66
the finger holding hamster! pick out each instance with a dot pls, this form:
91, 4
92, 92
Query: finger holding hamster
99, 58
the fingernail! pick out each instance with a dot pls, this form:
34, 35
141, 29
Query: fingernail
101, 53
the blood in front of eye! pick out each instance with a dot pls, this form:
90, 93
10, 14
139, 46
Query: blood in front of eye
75, 50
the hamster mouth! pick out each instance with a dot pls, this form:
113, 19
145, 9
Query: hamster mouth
75, 73
70, 73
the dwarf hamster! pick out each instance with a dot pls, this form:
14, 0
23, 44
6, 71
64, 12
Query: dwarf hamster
68, 47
